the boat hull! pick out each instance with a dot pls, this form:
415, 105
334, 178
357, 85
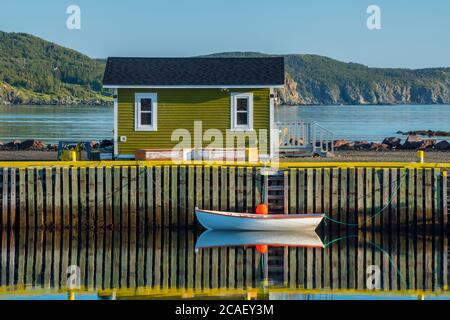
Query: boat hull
216, 220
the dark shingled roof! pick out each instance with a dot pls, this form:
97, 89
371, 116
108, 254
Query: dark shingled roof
194, 71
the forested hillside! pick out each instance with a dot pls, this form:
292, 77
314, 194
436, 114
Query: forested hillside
36, 71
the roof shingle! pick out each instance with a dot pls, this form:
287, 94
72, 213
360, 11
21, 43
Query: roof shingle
267, 71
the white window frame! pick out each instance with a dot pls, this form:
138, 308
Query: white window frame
137, 111
234, 125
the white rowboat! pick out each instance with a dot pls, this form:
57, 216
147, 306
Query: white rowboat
217, 239
219, 220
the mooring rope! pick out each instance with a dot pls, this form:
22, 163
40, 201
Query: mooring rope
378, 247
390, 199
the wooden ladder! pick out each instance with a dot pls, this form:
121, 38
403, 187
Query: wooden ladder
276, 193
277, 266
276, 197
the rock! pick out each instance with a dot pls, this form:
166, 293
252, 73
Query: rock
362, 145
339, 143
26, 145
413, 142
392, 142
442, 145
32, 145
349, 146
379, 147
343, 145
289, 94
106, 143
427, 144
14, 145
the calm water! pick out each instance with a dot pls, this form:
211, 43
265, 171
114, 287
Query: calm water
54, 123
373, 123
185, 264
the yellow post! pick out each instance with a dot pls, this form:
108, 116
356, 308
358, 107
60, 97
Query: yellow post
71, 295
421, 156
73, 155
252, 294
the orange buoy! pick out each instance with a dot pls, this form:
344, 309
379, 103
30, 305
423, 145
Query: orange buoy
262, 209
262, 248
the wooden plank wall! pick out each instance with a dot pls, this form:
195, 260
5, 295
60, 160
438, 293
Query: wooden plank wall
371, 198
168, 259
165, 196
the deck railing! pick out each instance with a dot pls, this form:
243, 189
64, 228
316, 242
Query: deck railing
304, 137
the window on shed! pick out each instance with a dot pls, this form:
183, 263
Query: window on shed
242, 111
145, 112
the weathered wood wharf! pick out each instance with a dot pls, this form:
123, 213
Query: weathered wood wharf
138, 195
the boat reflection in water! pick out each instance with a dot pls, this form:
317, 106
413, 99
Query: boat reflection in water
161, 263
217, 239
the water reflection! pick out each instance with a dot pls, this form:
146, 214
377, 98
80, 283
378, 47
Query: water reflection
186, 264
215, 239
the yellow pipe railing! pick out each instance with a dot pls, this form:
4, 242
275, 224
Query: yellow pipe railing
280, 165
174, 292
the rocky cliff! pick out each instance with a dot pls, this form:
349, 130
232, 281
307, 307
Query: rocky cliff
315, 80
360, 94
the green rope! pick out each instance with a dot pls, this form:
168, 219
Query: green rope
391, 261
391, 198
378, 247
327, 244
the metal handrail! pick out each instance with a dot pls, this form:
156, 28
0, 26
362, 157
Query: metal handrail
302, 135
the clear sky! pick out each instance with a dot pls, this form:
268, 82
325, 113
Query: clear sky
414, 33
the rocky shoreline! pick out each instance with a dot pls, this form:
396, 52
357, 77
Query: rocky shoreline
427, 133
37, 145
412, 142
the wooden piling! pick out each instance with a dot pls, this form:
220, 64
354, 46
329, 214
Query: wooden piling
387, 198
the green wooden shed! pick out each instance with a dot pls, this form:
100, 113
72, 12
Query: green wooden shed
157, 100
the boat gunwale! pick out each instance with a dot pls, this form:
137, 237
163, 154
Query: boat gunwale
262, 216
278, 245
